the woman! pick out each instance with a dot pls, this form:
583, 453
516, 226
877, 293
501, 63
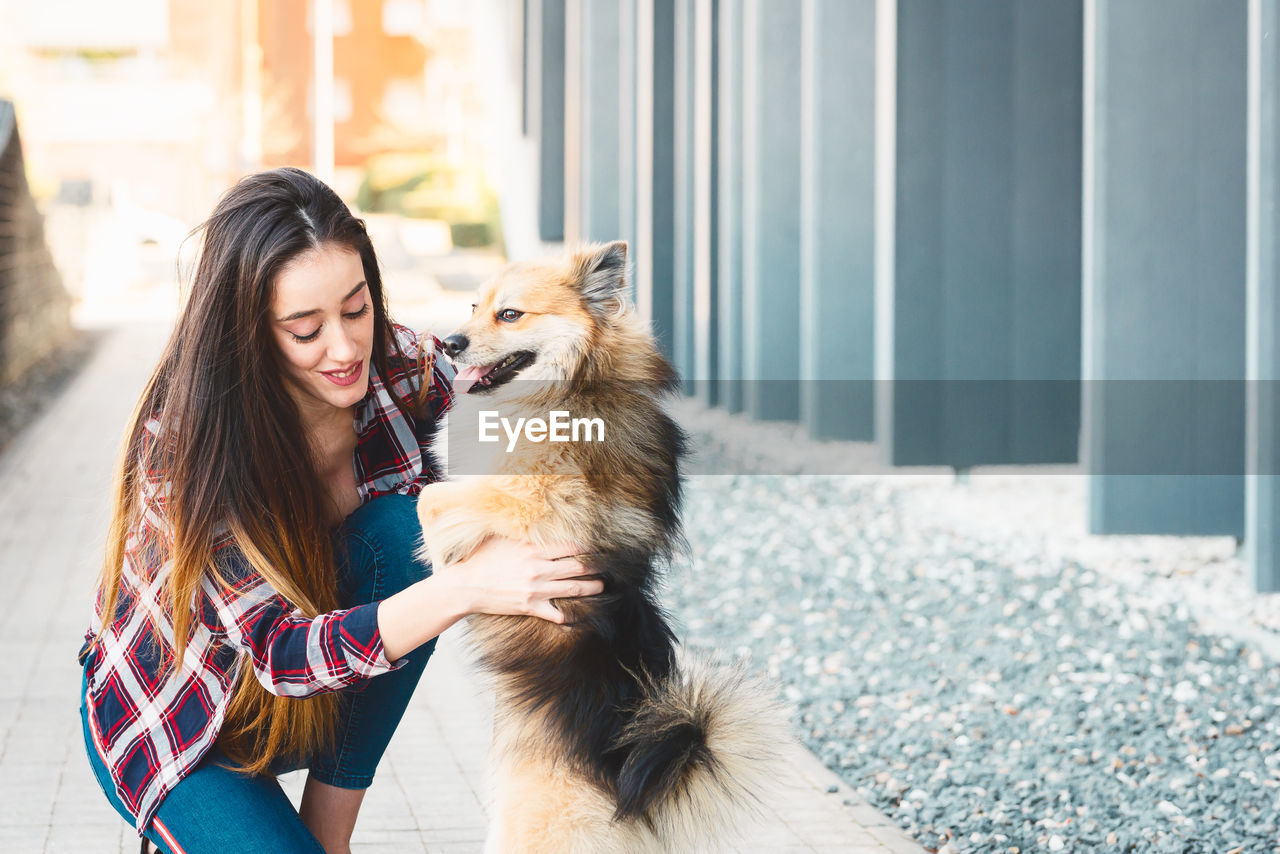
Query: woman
261, 607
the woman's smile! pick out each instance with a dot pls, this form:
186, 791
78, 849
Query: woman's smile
346, 376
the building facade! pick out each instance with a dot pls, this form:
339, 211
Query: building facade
993, 233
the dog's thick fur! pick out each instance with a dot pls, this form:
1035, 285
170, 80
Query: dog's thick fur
603, 741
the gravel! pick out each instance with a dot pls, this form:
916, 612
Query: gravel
980, 668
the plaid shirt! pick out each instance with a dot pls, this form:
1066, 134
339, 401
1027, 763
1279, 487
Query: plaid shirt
150, 726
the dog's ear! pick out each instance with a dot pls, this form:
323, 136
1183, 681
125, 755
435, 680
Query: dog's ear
602, 275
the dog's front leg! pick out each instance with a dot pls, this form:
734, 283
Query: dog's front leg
458, 515
451, 526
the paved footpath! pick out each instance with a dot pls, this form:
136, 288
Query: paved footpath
429, 792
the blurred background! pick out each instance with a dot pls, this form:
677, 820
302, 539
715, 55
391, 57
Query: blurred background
962, 234
1012, 264
134, 119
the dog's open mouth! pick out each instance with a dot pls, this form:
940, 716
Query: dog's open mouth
481, 378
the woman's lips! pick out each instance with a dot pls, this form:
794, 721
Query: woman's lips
346, 376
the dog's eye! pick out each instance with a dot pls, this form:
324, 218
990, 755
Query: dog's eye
473, 308
509, 315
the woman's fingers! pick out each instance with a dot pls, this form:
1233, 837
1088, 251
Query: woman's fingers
574, 589
544, 609
515, 577
562, 569
562, 551
563, 590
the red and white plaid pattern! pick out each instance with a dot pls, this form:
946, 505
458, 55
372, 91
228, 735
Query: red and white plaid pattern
152, 727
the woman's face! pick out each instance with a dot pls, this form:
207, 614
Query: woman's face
322, 318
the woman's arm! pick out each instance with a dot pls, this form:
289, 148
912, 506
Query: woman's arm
293, 655
501, 577
297, 656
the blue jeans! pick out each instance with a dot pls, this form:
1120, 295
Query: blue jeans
216, 809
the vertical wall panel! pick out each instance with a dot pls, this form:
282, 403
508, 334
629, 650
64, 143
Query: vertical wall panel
655, 167
628, 47
706, 201
729, 186
771, 208
530, 40
1164, 270
574, 72
837, 320
1045, 342
544, 112
980, 320
683, 245
1262, 498
601, 117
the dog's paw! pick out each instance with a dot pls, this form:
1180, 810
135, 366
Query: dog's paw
428, 512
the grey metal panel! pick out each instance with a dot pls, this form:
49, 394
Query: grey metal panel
1046, 203
1164, 270
771, 208
837, 233
628, 109
663, 223
983, 325
601, 84
574, 138
706, 214
910, 428
642, 147
684, 247
729, 203
545, 90
530, 36
654, 157
1262, 496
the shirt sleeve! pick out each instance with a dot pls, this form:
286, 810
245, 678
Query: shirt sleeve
293, 655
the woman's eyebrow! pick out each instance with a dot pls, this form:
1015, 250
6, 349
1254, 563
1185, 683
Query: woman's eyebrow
298, 315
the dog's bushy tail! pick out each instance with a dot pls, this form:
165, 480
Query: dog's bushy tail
702, 747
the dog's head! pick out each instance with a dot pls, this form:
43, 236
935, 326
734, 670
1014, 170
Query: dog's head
535, 321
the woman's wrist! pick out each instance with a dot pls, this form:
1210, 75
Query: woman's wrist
420, 612
450, 591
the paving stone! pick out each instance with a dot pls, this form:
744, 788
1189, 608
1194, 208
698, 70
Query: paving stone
85, 839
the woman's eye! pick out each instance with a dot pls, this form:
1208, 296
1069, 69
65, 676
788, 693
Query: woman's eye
360, 312
303, 339
509, 314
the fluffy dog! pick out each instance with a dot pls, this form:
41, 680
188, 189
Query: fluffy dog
603, 741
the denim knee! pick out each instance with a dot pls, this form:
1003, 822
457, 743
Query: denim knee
385, 531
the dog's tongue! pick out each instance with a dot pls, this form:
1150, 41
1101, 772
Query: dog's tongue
468, 376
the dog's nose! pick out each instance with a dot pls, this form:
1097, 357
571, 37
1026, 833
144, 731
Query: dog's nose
455, 343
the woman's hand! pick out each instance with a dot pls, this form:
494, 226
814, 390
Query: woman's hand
508, 577
501, 577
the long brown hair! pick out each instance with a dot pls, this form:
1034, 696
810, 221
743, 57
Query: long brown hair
233, 450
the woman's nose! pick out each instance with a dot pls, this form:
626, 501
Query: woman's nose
342, 348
